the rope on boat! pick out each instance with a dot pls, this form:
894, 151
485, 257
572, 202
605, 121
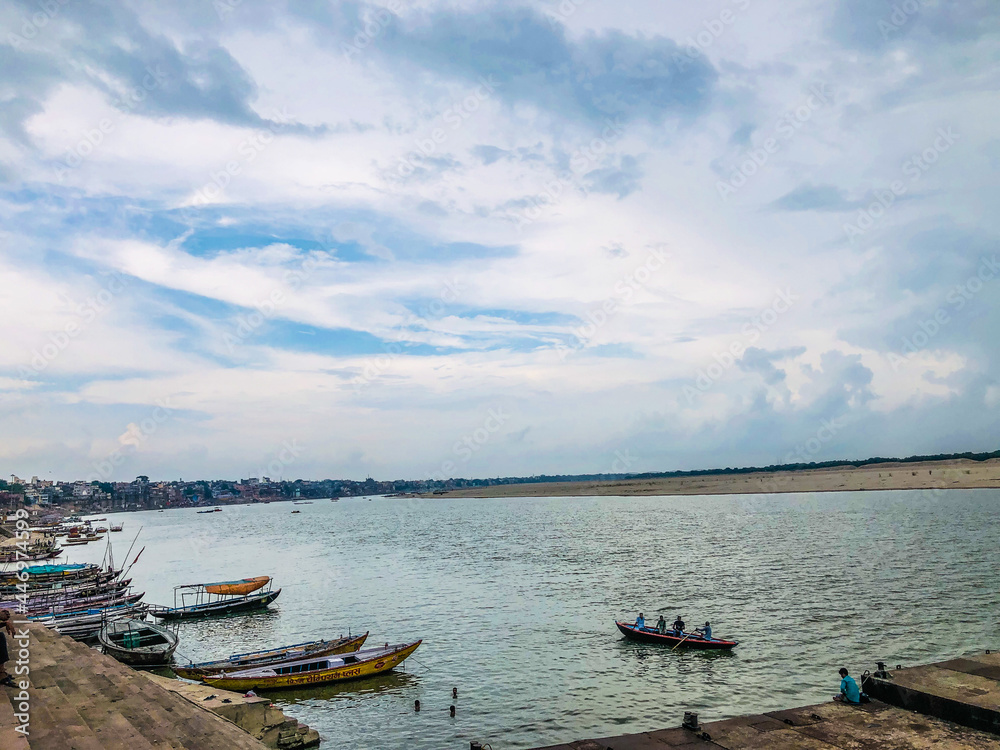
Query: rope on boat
412, 658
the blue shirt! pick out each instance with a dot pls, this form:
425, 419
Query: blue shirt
849, 689
640, 622
706, 632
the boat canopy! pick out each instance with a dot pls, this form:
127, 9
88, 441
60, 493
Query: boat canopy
43, 569
241, 587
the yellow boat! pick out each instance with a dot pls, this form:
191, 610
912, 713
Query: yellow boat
237, 588
272, 656
315, 671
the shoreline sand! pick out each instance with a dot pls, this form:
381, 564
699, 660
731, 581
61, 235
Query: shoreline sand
924, 475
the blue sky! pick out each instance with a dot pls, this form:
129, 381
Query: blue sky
693, 234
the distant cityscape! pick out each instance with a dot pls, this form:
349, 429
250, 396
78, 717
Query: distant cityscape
143, 494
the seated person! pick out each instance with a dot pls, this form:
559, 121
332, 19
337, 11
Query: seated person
706, 631
678, 626
661, 625
849, 692
640, 621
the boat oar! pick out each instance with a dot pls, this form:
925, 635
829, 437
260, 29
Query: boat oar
682, 640
131, 546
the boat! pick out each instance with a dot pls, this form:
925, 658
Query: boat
237, 588
118, 527
686, 640
272, 656
315, 671
205, 600
138, 643
296, 511
205, 511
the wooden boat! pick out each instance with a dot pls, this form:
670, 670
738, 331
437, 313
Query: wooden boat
138, 643
196, 600
315, 671
273, 656
686, 640
237, 588
119, 527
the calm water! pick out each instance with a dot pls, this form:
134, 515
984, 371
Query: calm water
516, 601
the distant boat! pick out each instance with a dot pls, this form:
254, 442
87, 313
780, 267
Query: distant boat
302, 502
315, 671
138, 643
120, 526
296, 511
272, 656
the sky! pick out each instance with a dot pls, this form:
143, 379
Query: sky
427, 239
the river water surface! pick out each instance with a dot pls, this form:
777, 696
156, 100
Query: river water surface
516, 599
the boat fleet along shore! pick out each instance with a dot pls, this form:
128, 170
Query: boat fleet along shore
99, 603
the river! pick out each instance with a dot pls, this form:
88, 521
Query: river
515, 600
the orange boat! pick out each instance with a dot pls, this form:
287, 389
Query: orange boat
238, 588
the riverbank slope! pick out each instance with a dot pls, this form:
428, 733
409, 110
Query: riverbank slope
924, 475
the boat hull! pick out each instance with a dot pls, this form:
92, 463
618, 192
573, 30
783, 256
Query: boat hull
272, 657
651, 636
214, 609
154, 655
354, 671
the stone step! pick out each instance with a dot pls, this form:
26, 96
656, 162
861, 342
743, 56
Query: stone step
51, 710
10, 738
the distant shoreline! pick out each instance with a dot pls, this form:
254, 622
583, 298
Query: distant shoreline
949, 474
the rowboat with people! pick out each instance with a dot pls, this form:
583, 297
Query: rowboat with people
315, 671
271, 657
670, 638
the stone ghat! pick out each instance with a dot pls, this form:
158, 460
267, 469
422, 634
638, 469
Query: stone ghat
953, 705
828, 726
80, 699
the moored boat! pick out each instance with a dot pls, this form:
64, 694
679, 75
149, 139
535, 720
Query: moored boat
272, 656
685, 640
315, 671
208, 599
138, 643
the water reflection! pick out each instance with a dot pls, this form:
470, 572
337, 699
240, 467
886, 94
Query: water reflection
351, 690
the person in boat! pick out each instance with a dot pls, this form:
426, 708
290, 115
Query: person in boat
849, 692
661, 626
678, 626
640, 621
6, 628
706, 631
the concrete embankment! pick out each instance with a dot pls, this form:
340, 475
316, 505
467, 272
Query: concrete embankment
946, 705
80, 699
